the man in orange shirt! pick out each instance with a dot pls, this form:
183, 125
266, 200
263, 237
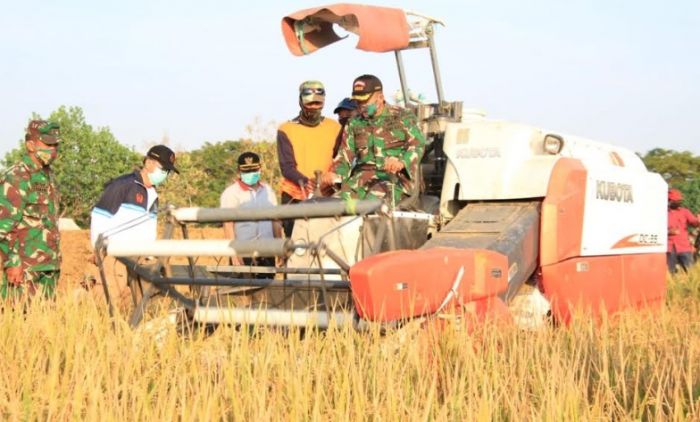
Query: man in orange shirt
679, 218
304, 146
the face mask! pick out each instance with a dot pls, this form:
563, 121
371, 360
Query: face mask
250, 179
675, 205
46, 155
310, 117
370, 110
157, 176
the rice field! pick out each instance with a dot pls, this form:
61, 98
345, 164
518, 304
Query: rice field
67, 360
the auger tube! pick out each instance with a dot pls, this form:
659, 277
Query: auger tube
294, 211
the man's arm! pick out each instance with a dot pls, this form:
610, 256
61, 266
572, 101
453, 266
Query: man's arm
11, 211
691, 219
342, 163
228, 200
285, 155
415, 146
339, 140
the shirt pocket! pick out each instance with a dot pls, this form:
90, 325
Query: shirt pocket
36, 211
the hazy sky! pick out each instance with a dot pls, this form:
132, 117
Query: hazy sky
196, 71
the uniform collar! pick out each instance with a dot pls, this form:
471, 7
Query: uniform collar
379, 117
31, 166
139, 179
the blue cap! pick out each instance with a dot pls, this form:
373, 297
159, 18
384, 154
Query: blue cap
347, 104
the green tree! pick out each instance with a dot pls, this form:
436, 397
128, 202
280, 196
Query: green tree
89, 157
676, 167
691, 195
681, 171
207, 171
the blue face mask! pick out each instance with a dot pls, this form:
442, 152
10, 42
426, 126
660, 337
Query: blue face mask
157, 176
251, 178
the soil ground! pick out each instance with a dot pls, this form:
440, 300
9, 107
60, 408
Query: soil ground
76, 251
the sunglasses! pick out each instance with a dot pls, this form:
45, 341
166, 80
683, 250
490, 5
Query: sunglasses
311, 91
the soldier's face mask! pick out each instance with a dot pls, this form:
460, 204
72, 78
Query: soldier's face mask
157, 176
45, 155
371, 110
310, 116
368, 109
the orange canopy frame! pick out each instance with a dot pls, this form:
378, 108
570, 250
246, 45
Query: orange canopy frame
380, 29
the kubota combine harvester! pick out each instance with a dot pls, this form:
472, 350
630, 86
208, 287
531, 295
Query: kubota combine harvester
512, 221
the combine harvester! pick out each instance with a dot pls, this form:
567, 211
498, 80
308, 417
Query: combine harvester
514, 222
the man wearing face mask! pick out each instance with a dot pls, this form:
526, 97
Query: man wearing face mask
128, 209
382, 150
29, 201
250, 192
679, 218
305, 145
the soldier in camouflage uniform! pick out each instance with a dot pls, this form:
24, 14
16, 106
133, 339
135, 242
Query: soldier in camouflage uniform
382, 149
29, 238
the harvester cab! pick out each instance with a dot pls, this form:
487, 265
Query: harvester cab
514, 222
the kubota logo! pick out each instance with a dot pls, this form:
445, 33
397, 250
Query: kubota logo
612, 191
488, 152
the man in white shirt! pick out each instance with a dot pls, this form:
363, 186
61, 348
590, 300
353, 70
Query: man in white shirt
248, 191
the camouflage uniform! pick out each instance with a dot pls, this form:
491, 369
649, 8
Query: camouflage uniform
29, 236
360, 161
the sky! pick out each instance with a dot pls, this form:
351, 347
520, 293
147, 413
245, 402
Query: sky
623, 72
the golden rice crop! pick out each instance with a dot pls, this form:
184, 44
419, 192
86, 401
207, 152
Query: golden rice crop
68, 360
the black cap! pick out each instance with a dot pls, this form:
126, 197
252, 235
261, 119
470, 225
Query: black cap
346, 104
165, 156
364, 86
248, 161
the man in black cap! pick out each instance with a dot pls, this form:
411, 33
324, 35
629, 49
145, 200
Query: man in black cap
382, 148
128, 208
248, 191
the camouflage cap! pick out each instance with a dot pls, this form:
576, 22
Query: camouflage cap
46, 132
312, 91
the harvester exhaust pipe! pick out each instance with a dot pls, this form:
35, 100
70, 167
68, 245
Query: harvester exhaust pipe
402, 76
436, 67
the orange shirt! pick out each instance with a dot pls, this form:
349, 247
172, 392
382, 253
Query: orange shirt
312, 148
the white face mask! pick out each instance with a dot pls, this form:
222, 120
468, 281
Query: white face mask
157, 176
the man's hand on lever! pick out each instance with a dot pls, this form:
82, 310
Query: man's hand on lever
393, 165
